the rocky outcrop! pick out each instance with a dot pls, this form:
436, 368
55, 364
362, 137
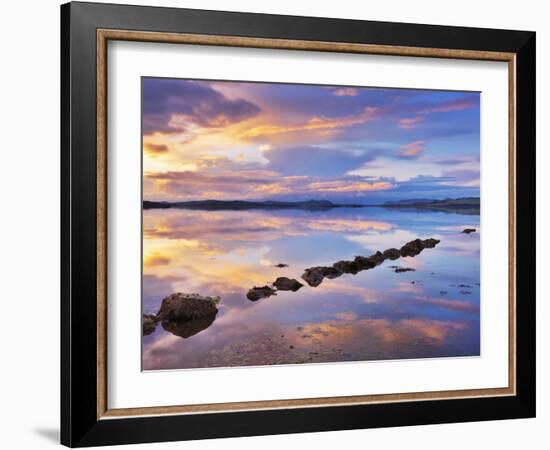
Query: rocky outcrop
256, 293
413, 248
188, 328
315, 275
377, 258
365, 263
352, 267
149, 322
392, 253
182, 314
287, 284
181, 307
468, 230
430, 243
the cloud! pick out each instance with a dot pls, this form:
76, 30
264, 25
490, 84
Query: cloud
155, 149
316, 161
454, 105
156, 259
413, 149
187, 184
347, 186
408, 123
463, 177
345, 92
453, 305
253, 184
316, 123
178, 106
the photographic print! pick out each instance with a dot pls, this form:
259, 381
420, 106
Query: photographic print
300, 224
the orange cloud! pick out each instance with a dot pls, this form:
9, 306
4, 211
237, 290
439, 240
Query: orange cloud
155, 149
313, 124
413, 149
156, 259
342, 186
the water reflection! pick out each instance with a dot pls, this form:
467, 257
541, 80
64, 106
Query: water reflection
376, 314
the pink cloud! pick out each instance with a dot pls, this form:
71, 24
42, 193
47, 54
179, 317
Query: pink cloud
345, 92
453, 105
413, 149
408, 123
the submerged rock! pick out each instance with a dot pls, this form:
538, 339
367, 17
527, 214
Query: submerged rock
315, 275
364, 263
256, 293
377, 258
287, 284
413, 248
149, 322
188, 328
181, 307
392, 253
468, 230
347, 266
430, 243
399, 269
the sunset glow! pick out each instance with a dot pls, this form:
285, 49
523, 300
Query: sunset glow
235, 140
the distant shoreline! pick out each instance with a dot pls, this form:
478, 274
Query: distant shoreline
464, 205
239, 205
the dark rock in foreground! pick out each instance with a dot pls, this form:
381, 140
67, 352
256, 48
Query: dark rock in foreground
468, 230
256, 293
287, 284
149, 323
315, 275
188, 328
181, 307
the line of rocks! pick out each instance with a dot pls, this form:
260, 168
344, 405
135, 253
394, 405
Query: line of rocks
314, 276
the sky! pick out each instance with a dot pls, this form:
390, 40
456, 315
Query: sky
268, 141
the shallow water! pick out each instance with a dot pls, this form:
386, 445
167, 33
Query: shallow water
375, 315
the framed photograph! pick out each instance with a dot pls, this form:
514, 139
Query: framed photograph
276, 224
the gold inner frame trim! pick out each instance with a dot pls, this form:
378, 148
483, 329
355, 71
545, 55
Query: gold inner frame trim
104, 35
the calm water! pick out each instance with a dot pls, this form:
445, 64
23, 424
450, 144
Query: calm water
374, 315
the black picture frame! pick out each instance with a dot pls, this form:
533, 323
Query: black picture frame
80, 425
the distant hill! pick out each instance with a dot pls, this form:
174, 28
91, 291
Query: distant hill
463, 205
214, 205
